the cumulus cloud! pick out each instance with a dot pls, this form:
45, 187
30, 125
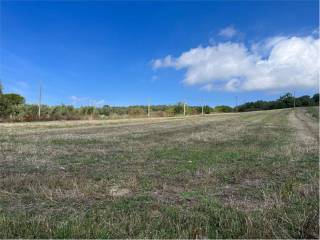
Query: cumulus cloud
277, 63
228, 32
316, 31
166, 62
207, 87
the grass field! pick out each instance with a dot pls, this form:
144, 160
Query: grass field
246, 175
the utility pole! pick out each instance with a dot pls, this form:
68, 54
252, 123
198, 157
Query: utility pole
202, 108
184, 108
294, 100
39, 105
149, 107
94, 109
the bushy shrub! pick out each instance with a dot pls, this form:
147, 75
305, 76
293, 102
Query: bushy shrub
223, 108
13, 108
136, 111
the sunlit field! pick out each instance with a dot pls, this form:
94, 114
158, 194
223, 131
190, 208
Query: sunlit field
238, 175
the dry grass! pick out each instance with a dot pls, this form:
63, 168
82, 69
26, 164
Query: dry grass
248, 175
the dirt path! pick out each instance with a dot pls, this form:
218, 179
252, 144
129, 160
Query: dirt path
307, 128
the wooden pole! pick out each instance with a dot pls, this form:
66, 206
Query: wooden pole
149, 107
202, 112
39, 105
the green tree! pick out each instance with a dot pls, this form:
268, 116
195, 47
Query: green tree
223, 108
105, 110
287, 100
207, 109
303, 101
315, 98
9, 104
178, 108
13, 99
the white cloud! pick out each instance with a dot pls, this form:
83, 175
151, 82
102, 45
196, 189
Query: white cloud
166, 62
316, 31
228, 32
277, 63
207, 87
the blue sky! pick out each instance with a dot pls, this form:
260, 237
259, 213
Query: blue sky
104, 52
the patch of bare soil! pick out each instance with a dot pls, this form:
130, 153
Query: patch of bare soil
116, 191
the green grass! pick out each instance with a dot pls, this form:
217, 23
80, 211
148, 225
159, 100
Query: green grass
248, 175
313, 111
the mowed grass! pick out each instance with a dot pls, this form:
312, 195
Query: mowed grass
248, 175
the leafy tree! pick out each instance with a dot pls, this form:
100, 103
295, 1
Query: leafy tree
178, 109
287, 100
13, 99
9, 104
315, 98
105, 110
303, 101
207, 109
223, 108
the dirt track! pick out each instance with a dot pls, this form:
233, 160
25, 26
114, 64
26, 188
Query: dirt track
307, 128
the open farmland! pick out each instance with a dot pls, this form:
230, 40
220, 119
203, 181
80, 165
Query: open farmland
241, 175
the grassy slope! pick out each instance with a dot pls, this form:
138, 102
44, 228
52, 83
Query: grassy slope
313, 111
252, 175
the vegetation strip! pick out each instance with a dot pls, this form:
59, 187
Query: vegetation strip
248, 175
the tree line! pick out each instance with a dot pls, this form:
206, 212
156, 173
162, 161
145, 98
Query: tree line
14, 108
285, 101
